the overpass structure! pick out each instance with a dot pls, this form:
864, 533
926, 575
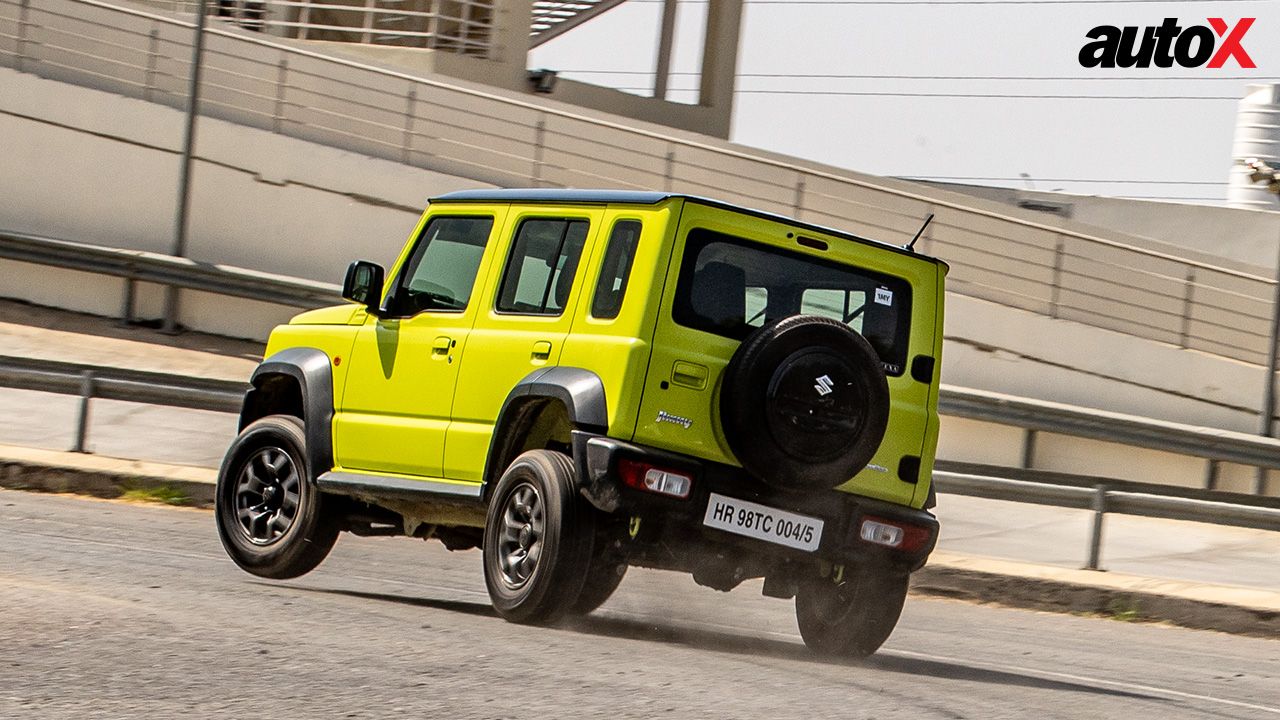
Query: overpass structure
312, 155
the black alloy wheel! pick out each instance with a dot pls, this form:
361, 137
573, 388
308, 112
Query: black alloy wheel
272, 519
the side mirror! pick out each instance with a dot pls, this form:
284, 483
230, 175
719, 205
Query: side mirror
363, 284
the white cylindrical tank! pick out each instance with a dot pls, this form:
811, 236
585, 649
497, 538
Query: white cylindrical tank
1257, 136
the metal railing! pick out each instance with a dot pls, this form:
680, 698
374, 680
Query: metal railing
287, 88
459, 26
136, 265
109, 383
1034, 416
1100, 495
1152, 501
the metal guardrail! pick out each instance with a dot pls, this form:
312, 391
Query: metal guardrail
109, 383
1103, 499
1212, 444
1105, 496
281, 86
137, 265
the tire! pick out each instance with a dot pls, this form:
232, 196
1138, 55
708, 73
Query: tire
537, 539
602, 580
851, 618
270, 514
607, 568
804, 403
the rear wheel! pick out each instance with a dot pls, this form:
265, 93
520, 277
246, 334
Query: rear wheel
270, 515
849, 617
537, 539
602, 580
607, 566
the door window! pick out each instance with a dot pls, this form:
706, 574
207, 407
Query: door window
441, 273
544, 258
615, 269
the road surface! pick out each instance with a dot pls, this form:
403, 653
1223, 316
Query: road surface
111, 610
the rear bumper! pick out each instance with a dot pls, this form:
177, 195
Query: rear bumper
842, 514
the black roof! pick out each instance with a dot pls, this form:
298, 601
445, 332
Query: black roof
642, 197
556, 195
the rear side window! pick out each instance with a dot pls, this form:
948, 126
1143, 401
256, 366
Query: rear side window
615, 269
729, 286
441, 273
544, 258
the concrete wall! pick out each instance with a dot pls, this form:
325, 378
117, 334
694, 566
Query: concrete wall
1006, 350
991, 347
1244, 239
86, 165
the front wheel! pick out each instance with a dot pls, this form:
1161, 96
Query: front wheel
849, 616
271, 516
537, 539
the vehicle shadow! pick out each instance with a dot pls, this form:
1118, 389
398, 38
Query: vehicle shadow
459, 606
665, 631
729, 642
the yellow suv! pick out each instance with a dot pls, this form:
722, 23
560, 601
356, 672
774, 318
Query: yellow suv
579, 381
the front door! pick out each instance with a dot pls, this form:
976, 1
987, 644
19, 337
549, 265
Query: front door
404, 365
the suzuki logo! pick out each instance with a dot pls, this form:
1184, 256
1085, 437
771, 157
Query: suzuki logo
824, 385
1165, 44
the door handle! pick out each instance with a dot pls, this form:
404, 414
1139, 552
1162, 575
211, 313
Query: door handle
542, 350
690, 375
441, 346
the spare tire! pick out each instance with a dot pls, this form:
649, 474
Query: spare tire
804, 403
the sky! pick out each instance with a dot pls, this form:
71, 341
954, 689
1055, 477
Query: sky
921, 88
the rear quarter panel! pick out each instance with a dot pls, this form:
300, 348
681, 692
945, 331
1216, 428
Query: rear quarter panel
618, 349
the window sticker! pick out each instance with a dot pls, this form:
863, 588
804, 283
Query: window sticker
884, 296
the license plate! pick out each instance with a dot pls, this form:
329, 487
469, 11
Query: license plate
763, 522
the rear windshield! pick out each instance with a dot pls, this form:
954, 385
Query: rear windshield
730, 286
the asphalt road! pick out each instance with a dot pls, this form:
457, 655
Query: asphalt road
110, 610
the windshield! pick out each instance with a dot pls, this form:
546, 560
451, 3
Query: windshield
729, 286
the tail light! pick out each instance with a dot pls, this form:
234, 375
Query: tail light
643, 476
892, 534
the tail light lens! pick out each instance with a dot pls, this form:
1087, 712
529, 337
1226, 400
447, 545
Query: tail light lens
643, 476
892, 534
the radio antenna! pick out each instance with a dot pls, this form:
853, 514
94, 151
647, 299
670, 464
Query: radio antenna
912, 245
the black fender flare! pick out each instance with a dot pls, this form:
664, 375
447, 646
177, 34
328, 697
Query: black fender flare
580, 390
310, 368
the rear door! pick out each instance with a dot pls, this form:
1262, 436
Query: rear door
527, 309
731, 273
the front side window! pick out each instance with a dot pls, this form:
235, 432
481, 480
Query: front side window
615, 269
729, 286
544, 258
441, 273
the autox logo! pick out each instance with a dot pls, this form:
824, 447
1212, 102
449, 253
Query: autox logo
1167, 43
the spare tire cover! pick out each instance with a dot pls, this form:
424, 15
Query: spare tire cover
804, 403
